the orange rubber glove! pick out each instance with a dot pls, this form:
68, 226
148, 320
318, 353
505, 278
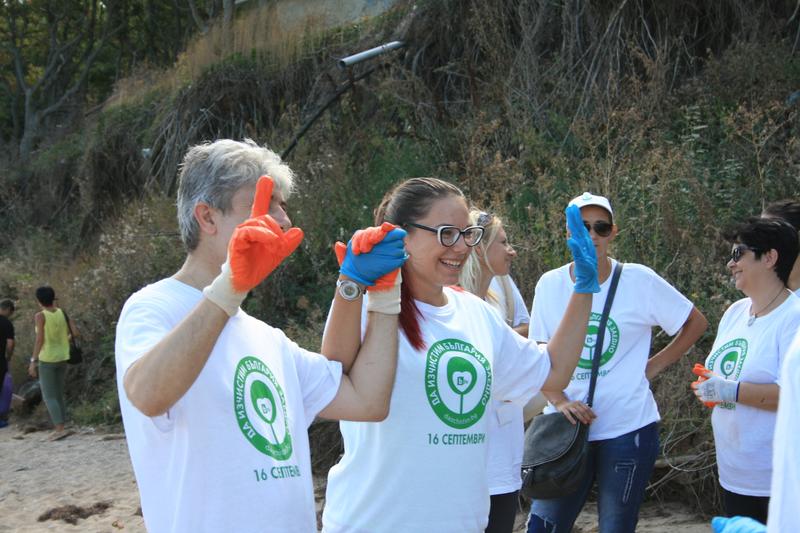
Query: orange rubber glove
700, 371
258, 245
385, 290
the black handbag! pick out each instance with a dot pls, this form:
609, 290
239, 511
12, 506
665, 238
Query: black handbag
555, 450
75, 351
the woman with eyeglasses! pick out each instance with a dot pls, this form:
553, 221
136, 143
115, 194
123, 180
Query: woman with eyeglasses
424, 467
623, 431
491, 260
743, 382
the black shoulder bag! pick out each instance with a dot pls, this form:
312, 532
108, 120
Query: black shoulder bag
75, 351
554, 456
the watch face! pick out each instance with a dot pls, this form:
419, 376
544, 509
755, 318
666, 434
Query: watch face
349, 290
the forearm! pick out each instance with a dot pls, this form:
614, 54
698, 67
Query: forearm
692, 330
365, 393
567, 342
373, 372
341, 340
162, 376
522, 329
760, 395
555, 397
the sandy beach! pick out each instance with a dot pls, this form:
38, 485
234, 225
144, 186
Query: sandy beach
92, 469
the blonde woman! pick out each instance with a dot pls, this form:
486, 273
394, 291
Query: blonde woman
486, 274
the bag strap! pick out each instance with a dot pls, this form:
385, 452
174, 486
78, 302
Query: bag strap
66, 317
601, 331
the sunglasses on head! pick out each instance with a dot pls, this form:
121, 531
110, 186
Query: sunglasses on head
484, 219
449, 235
739, 250
601, 227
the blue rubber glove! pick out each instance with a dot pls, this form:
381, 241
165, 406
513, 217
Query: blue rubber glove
737, 524
371, 260
583, 253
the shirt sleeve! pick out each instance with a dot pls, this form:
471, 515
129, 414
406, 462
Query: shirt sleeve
521, 315
140, 327
319, 379
668, 307
521, 366
538, 329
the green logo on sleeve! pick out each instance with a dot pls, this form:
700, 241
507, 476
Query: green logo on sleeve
727, 360
458, 382
610, 341
260, 408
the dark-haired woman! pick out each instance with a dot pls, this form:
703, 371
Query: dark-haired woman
753, 337
788, 210
623, 434
50, 355
424, 467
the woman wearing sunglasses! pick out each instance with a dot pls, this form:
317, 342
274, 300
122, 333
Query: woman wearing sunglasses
624, 417
424, 467
752, 340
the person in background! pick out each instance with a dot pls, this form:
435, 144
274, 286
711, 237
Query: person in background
216, 404
510, 298
624, 417
424, 467
50, 355
491, 259
6, 346
788, 210
744, 365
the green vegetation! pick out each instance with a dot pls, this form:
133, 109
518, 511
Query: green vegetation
687, 118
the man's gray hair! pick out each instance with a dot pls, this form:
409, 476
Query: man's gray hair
212, 173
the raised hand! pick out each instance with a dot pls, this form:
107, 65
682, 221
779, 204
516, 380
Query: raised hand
258, 245
583, 252
373, 255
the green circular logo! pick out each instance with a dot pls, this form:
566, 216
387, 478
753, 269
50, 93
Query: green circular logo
610, 341
458, 382
260, 408
728, 358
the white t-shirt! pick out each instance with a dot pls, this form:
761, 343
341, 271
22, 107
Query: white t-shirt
232, 454
754, 354
424, 467
783, 515
520, 313
623, 401
506, 426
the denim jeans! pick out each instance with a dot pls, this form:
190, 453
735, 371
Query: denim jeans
621, 467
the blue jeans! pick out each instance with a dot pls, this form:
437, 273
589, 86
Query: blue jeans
622, 467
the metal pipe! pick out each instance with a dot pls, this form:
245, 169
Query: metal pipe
367, 54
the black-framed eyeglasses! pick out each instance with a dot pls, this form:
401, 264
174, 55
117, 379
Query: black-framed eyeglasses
601, 227
449, 235
739, 250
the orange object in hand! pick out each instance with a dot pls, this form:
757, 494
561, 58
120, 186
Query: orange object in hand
700, 371
258, 244
362, 242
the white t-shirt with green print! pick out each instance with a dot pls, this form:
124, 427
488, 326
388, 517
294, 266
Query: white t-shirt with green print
424, 467
623, 401
232, 454
743, 434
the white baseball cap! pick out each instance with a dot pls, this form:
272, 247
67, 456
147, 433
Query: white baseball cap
588, 198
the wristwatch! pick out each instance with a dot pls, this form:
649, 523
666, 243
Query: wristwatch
349, 289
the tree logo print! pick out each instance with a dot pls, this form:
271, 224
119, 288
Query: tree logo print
260, 409
610, 341
458, 382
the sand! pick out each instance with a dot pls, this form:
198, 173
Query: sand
91, 467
